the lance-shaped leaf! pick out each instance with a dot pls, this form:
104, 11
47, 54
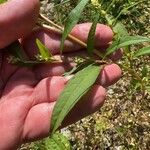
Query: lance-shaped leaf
91, 35
120, 30
72, 20
143, 51
44, 52
126, 41
72, 93
57, 142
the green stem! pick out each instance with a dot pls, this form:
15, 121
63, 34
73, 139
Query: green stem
125, 9
112, 2
135, 75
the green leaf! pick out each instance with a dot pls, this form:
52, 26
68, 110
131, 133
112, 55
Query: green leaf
45, 54
73, 91
3, 1
143, 51
72, 20
91, 35
125, 41
120, 30
57, 142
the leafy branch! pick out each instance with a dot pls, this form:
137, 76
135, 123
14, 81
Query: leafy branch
87, 76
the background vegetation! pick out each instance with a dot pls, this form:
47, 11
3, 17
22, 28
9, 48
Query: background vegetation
124, 121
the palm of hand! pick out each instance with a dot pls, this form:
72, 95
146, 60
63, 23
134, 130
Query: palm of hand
22, 108
28, 95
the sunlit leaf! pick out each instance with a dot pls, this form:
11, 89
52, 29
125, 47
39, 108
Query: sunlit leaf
120, 30
143, 51
72, 20
125, 41
72, 93
91, 35
44, 52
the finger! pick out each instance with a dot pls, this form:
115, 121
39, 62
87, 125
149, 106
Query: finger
51, 87
103, 33
48, 89
37, 123
116, 55
52, 39
53, 69
40, 114
17, 18
89, 104
109, 74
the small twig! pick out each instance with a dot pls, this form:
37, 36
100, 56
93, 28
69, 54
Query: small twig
50, 22
59, 29
49, 28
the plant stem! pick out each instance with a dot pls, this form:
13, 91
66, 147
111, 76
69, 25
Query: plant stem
112, 2
125, 9
60, 29
50, 22
134, 74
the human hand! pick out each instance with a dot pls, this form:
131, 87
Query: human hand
28, 96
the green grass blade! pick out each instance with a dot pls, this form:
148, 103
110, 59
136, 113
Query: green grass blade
125, 41
43, 50
72, 93
143, 51
72, 20
91, 35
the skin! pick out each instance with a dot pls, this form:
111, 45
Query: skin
28, 95
17, 18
